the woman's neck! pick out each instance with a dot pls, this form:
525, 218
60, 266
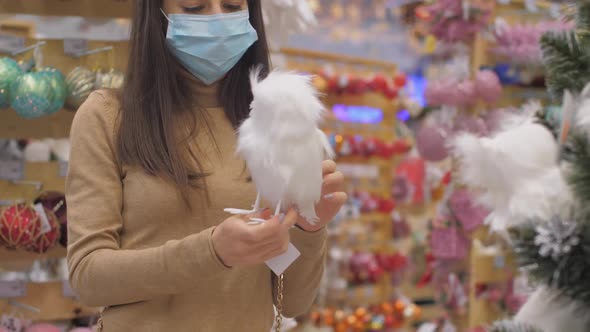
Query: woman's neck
207, 95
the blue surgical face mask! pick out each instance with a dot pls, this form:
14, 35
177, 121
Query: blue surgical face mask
209, 46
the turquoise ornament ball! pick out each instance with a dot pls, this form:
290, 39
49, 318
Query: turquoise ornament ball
10, 71
58, 84
31, 95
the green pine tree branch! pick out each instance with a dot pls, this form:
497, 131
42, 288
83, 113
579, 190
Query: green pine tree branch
567, 63
578, 176
569, 275
511, 326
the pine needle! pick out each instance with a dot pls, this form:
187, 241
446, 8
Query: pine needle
511, 326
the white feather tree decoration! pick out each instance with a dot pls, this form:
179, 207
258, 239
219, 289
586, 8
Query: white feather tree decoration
517, 171
282, 144
284, 17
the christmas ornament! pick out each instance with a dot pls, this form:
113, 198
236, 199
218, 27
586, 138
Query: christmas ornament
448, 242
56, 203
517, 170
470, 124
9, 72
79, 83
112, 79
465, 208
49, 238
488, 86
557, 238
20, 226
431, 141
285, 178
58, 84
32, 95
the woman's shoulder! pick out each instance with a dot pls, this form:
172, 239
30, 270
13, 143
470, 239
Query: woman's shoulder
99, 111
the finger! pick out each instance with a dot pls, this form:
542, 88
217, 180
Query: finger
333, 182
290, 219
328, 166
336, 198
264, 214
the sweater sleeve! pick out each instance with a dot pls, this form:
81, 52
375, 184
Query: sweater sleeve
101, 272
302, 279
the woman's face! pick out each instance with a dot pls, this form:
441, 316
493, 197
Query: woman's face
204, 7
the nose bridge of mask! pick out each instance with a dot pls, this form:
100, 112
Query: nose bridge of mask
219, 49
186, 26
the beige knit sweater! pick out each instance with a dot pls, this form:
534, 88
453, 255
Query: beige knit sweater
136, 250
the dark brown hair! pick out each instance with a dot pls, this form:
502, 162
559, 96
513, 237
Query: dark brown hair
159, 91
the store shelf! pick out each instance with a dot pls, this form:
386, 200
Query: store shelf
49, 298
53, 126
47, 175
86, 8
21, 255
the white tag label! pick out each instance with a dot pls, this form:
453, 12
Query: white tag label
499, 262
12, 170
12, 289
45, 225
63, 169
75, 47
531, 5
9, 43
280, 263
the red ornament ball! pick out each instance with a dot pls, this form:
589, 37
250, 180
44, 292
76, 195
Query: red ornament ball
400, 80
386, 205
390, 92
49, 239
19, 226
379, 83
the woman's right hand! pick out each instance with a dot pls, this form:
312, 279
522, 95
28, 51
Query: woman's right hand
238, 243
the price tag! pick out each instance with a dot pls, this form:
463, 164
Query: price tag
499, 262
75, 47
63, 169
9, 43
555, 10
12, 170
12, 289
67, 290
45, 225
531, 5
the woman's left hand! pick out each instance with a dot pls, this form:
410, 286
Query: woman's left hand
333, 198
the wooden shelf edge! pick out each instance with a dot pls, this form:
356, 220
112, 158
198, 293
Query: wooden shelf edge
21, 255
52, 126
85, 8
49, 298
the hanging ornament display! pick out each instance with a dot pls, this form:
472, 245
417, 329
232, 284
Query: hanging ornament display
431, 141
112, 79
347, 83
367, 147
80, 83
56, 203
58, 84
32, 95
10, 71
485, 87
49, 238
20, 226
454, 21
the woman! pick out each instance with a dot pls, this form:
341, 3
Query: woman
152, 168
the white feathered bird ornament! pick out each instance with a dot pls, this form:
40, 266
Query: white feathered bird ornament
282, 144
517, 171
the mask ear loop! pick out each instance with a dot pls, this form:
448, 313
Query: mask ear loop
166, 16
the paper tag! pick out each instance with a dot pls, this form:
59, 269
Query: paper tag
280, 263
499, 262
45, 225
75, 47
555, 10
12, 170
14, 288
63, 169
531, 5
67, 290
10, 43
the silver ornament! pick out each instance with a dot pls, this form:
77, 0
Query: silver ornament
112, 79
80, 84
557, 238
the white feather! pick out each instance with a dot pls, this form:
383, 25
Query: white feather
583, 112
547, 311
281, 142
517, 171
